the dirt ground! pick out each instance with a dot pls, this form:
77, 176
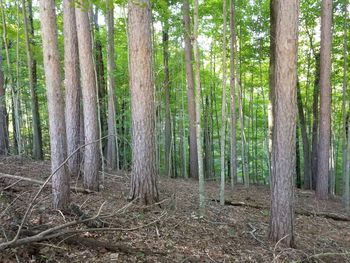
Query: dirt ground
170, 231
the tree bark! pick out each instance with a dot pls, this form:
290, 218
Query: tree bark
144, 170
325, 101
60, 181
190, 90
284, 116
72, 85
112, 144
88, 84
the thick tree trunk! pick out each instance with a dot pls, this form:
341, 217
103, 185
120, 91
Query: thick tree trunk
72, 85
325, 101
37, 139
112, 144
4, 143
190, 91
306, 145
223, 110
284, 116
60, 181
144, 170
233, 155
88, 84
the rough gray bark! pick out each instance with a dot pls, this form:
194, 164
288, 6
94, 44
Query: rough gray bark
37, 139
112, 144
284, 116
72, 85
60, 181
190, 90
88, 84
144, 170
325, 101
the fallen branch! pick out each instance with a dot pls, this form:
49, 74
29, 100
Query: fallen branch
302, 212
35, 181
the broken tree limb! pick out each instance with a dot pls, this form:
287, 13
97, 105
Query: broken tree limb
302, 212
35, 181
58, 231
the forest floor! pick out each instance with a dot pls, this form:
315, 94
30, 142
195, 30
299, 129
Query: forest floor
170, 231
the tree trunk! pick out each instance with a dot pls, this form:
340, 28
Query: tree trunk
72, 86
167, 131
346, 153
306, 145
315, 124
144, 170
37, 139
112, 145
88, 84
325, 101
223, 110
14, 92
4, 143
233, 159
198, 111
284, 116
190, 91
60, 181
273, 18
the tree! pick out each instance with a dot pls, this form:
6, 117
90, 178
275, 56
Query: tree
166, 85
88, 84
325, 101
4, 143
60, 181
223, 110
284, 116
345, 137
233, 160
190, 90
144, 171
37, 138
112, 144
72, 85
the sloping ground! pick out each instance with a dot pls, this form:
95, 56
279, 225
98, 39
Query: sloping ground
170, 231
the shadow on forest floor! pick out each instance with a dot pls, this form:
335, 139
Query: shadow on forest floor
171, 231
